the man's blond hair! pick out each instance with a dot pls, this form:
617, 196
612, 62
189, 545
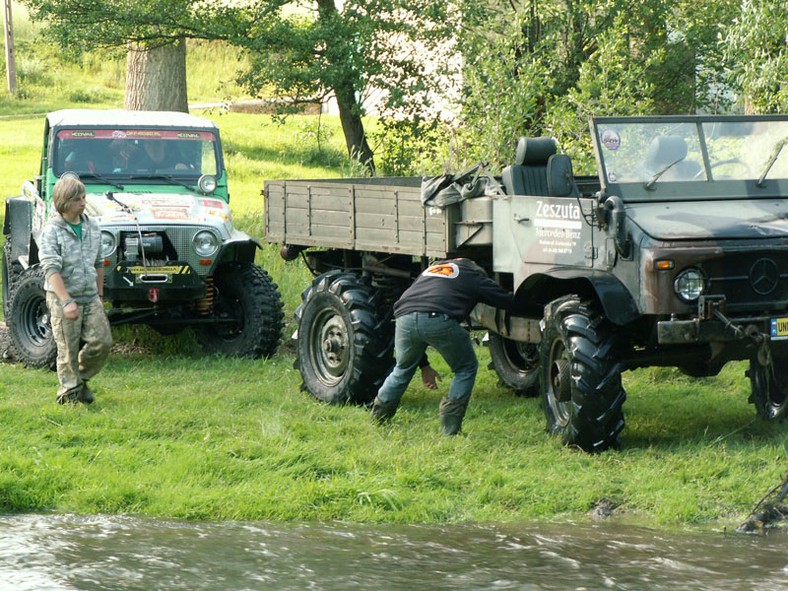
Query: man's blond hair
65, 191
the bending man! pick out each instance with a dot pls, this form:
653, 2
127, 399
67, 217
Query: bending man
429, 314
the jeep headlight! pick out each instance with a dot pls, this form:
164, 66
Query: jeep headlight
207, 183
205, 243
689, 285
108, 244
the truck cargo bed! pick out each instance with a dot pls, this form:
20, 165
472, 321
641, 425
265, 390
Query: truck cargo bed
368, 214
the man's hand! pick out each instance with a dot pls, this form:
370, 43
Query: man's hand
71, 311
430, 377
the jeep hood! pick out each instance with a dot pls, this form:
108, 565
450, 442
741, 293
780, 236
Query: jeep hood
688, 220
158, 208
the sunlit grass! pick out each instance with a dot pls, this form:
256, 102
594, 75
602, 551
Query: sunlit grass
181, 435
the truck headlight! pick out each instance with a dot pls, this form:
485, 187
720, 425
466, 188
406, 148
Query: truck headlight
108, 244
689, 285
205, 243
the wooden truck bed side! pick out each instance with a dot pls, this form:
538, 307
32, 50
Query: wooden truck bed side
358, 214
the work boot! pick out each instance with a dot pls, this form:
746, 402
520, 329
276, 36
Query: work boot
451, 413
70, 396
382, 412
86, 394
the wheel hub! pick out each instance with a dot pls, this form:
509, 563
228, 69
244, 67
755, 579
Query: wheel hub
333, 339
561, 379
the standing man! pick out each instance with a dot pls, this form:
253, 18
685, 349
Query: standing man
429, 313
71, 259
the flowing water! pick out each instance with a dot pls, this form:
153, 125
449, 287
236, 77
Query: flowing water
42, 553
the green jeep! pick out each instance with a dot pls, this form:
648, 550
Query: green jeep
157, 185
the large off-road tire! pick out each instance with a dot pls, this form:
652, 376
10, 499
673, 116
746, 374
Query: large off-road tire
11, 272
769, 389
246, 293
517, 364
29, 321
582, 394
345, 339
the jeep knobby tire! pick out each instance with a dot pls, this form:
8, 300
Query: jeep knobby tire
11, 272
247, 293
345, 344
582, 394
29, 321
517, 364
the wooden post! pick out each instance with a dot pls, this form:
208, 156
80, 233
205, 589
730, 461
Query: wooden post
10, 56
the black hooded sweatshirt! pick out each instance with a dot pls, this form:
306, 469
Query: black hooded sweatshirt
452, 287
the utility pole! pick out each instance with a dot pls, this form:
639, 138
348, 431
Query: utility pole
10, 56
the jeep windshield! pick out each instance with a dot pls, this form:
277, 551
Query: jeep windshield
149, 155
699, 157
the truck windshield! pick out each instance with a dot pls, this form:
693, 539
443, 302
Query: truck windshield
652, 153
135, 153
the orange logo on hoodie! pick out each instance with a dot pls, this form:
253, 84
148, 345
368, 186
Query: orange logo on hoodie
446, 270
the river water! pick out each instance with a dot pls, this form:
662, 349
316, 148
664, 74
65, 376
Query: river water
43, 553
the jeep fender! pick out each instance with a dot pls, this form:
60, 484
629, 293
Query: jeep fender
239, 247
618, 304
17, 226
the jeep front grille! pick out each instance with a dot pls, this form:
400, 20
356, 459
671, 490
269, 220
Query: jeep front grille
177, 244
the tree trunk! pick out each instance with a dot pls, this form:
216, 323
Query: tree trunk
156, 78
353, 128
349, 109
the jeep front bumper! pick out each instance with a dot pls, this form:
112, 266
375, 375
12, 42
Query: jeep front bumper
130, 282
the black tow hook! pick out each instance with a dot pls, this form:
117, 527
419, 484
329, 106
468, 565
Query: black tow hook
751, 332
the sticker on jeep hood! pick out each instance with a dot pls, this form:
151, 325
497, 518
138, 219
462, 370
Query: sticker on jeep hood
157, 208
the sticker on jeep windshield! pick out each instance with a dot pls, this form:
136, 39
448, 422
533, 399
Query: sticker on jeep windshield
131, 134
558, 226
611, 139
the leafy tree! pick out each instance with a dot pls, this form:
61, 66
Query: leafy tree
156, 56
542, 67
299, 50
757, 53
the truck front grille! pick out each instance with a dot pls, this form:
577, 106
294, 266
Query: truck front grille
754, 280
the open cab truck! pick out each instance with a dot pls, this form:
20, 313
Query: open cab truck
156, 183
675, 255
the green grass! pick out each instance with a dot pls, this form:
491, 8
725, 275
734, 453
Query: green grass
185, 436
177, 434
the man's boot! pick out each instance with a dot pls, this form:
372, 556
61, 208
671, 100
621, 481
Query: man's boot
382, 412
70, 396
451, 412
86, 394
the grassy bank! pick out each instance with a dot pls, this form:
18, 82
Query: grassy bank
191, 437
176, 434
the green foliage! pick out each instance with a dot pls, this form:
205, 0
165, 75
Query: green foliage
541, 68
295, 51
757, 53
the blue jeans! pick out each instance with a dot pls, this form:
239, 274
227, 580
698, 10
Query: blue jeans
414, 332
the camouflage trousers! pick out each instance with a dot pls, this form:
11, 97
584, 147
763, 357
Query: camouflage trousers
83, 344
